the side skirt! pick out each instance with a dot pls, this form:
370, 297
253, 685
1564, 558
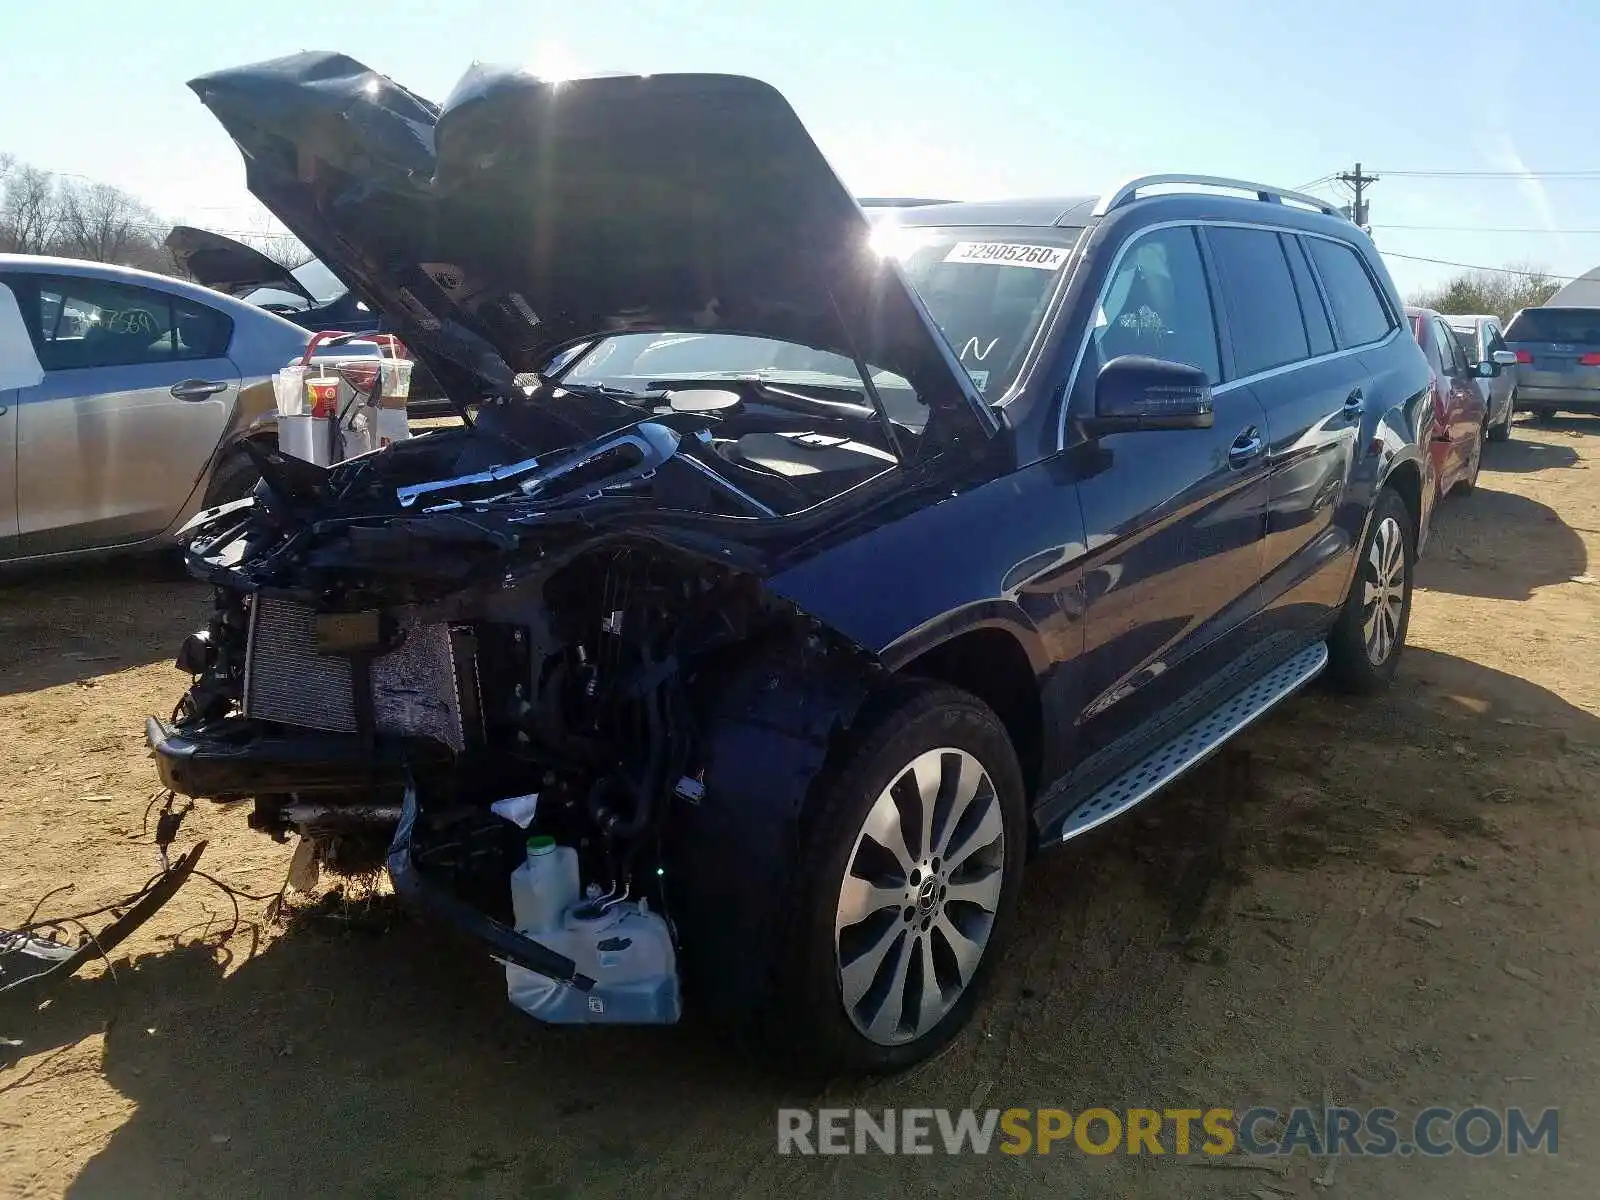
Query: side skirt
1191, 745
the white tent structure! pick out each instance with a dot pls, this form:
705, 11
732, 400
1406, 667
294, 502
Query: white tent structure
1582, 292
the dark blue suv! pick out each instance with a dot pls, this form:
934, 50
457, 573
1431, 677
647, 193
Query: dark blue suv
802, 571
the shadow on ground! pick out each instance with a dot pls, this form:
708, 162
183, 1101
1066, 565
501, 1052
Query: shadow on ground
108, 615
1498, 545
346, 1062
1531, 448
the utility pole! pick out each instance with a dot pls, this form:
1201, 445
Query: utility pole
1358, 181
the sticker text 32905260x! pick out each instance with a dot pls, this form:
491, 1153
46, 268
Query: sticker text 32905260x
1008, 254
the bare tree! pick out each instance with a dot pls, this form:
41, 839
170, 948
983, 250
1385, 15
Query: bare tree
30, 210
103, 223
284, 249
1501, 293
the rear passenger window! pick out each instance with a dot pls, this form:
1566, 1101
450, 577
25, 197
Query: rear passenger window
1312, 311
1359, 313
86, 322
1263, 310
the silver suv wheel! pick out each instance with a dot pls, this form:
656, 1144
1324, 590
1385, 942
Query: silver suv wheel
918, 900
1383, 590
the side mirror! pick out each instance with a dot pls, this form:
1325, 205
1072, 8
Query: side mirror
1487, 369
1504, 358
1133, 393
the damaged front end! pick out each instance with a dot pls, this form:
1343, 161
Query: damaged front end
685, 373
402, 641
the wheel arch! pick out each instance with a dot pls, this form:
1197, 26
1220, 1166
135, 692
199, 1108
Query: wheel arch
1405, 477
989, 661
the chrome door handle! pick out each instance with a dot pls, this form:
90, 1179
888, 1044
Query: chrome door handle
1245, 447
198, 389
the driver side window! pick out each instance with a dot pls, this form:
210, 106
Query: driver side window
1158, 303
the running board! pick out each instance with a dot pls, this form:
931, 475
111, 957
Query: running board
1196, 743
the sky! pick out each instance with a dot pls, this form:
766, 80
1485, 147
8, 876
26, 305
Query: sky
1003, 98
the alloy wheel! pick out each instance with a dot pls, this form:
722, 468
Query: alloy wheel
1383, 590
919, 896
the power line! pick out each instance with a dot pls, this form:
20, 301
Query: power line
1445, 262
1590, 174
1487, 229
1317, 182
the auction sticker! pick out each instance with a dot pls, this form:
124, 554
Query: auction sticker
1009, 254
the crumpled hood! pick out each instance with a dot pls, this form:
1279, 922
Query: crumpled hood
524, 215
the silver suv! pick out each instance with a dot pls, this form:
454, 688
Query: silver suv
1481, 339
1558, 359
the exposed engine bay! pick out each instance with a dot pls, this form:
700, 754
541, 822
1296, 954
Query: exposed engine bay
476, 653
544, 669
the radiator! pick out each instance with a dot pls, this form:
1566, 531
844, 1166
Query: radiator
414, 687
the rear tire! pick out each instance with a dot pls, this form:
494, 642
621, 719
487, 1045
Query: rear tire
886, 943
1365, 644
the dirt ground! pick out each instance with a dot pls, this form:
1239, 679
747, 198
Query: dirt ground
1247, 937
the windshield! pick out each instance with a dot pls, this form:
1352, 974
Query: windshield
986, 288
1555, 325
1467, 339
314, 276
322, 283
634, 362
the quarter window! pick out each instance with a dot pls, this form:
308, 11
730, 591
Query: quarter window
1263, 309
1312, 311
84, 322
1360, 315
1158, 304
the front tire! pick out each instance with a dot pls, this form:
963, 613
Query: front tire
1502, 431
1365, 644
909, 870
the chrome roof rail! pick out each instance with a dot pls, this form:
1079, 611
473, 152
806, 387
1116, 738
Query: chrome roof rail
1129, 192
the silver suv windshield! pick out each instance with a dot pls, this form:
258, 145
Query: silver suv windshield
987, 288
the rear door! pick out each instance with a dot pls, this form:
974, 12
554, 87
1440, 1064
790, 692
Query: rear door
1284, 351
1173, 518
19, 368
137, 391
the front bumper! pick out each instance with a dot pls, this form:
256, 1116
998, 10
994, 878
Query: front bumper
236, 764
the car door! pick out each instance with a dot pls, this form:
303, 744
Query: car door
1500, 386
19, 368
137, 390
1173, 518
1465, 404
1284, 350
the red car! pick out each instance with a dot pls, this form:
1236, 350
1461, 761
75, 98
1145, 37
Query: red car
1460, 414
